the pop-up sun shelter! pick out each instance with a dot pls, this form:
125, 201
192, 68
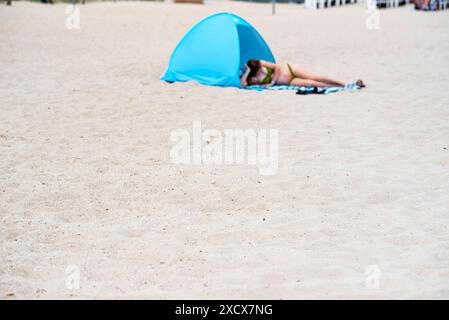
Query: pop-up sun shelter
215, 51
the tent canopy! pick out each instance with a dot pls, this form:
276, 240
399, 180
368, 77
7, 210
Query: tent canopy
215, 51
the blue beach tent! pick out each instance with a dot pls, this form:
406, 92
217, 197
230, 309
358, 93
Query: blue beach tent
215, 51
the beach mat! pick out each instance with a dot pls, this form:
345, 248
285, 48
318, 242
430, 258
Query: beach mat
305, 89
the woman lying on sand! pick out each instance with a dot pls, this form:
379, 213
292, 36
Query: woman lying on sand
260, 72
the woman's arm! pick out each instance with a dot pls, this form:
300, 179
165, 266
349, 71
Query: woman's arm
276, 71
244, 77
268, 64
276, 74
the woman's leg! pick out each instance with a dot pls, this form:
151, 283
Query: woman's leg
303, 74
308, 82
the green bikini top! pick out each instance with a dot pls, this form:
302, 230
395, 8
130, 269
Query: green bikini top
267, 78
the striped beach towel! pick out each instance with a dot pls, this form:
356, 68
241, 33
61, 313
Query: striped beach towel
305, 89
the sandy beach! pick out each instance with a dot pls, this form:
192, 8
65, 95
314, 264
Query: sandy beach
87, 187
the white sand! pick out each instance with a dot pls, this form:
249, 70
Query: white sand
85, 176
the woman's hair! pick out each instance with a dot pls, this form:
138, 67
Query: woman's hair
254, 66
